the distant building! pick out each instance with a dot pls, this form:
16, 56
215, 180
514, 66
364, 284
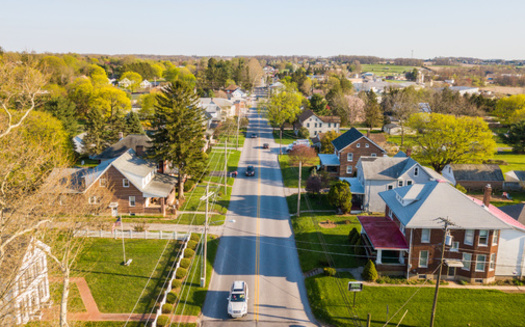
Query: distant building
317, 124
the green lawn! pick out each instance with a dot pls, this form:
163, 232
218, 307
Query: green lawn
232, 141
194, 294
306, 229
291, 173
197, 219
514, 161
317, 202
74, 301
222, 200
288, 137
383, 70
456, 307
216, 160
116, 288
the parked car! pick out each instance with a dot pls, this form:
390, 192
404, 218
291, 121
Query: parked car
250, 171
266, 146
297, 142
254, 135
238, 299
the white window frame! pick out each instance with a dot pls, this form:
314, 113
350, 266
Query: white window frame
495, 237
454, 247
399, 183
478, 261
367, 145
125, 182
469, 237
492, 263
465, 260
409, 183
103, 182
486, 243
132, 201
93, 199
427, 238
358, 145
420, 257
348, 169
307, 124
373, 155
350, 157
416, 171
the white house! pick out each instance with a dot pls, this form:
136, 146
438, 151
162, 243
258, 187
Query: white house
125, 83
145, 84
78, 143
24, 299
317, 124
218, 108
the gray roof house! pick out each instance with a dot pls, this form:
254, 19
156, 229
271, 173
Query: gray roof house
376, 174
475, 176
140, 143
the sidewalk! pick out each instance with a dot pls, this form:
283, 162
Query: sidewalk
216, 230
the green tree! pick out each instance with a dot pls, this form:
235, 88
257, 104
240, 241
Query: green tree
284, 107
65, 110
340, 196
178, 135
134, 78
96, 129
318, 104
98, 76
81, 92
326, 141
445, 139
133, 124
373, 114
111, 101
370, 273
515, 137
304, 133
508, 106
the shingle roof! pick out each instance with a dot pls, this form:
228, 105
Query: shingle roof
305, 115
330, 119
347, 138
426, 202
481, 172
385, 168
516, 211
129, 142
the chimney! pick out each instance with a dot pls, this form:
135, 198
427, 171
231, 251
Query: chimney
486, 195
409, 152
120, 136
162, 166
139, 149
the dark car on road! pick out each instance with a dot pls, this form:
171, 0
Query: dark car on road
250, 171
266, 146
254, 135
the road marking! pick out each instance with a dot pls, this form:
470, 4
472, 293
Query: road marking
257, 241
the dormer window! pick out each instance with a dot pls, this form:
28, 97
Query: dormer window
416, 171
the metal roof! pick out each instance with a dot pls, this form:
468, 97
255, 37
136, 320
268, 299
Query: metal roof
329, 159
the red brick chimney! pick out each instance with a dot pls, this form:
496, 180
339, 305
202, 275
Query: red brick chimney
163, 165
486, 195
409, 152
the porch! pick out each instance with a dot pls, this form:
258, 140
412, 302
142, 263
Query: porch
329, 163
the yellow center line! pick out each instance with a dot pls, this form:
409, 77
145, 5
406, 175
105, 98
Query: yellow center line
257, 245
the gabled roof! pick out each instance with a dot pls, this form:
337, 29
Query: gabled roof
515, 176
516, 211
426, 202
305, 115
330, 119
385, 168
481, 172
129, 142
347, 138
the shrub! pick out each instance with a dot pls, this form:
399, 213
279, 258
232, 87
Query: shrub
192, 245
163, 321
323, 262
180, 273
188, 253
195, 237
340, 196
370, 273
171, 298
304, 133
359, 247
176, 284
463, 282
329, 271
185, 263
167, 308
188, 185
460, 188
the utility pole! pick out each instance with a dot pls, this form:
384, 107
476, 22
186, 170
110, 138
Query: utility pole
225, 166
445, 231
237, 135
281, 141
205, 254
299, 191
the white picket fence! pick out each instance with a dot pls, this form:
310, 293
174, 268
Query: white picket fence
119, 233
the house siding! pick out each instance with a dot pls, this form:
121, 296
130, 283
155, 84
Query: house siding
357, 152
121, 194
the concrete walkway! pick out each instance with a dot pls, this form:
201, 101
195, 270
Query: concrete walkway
93, 313
216, 230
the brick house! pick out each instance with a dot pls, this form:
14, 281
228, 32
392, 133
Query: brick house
348, 149
139, 186
407, 240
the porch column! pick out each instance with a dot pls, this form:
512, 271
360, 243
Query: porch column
162, 206
401, 257
378, 257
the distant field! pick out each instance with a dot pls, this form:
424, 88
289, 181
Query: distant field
505, 89
379, 69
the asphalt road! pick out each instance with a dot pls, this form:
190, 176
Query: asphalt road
259, 246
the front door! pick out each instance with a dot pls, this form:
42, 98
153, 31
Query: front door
114, 211
451, 273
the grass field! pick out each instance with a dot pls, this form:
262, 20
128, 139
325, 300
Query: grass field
116, 288
220, 204
383, 70
514, 161
74, 302
456, 307
191, 219
317, 202
291, 173
232, 141
216, 160
288, 137
311, 254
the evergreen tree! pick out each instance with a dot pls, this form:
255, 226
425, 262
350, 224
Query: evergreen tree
65, 110
318, 104
370, 273
516, 137
179, 131
96, 129
340, 196
373, 115
133, 124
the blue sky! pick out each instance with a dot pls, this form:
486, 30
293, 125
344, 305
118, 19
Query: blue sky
483, 29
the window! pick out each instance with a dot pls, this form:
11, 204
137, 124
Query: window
92, 200
469, 236
483, 237
409, 182
132, 201
307, 124
480, 262
373, 155
389, 187
348, 169
467, 260
358, 145
320, 124
492, 264
423, 259
125, 182
328, 125
425, 235
416, 171
367, 145
454, 247
495, 236
103, 182
315, 125
400, 183
349, 157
